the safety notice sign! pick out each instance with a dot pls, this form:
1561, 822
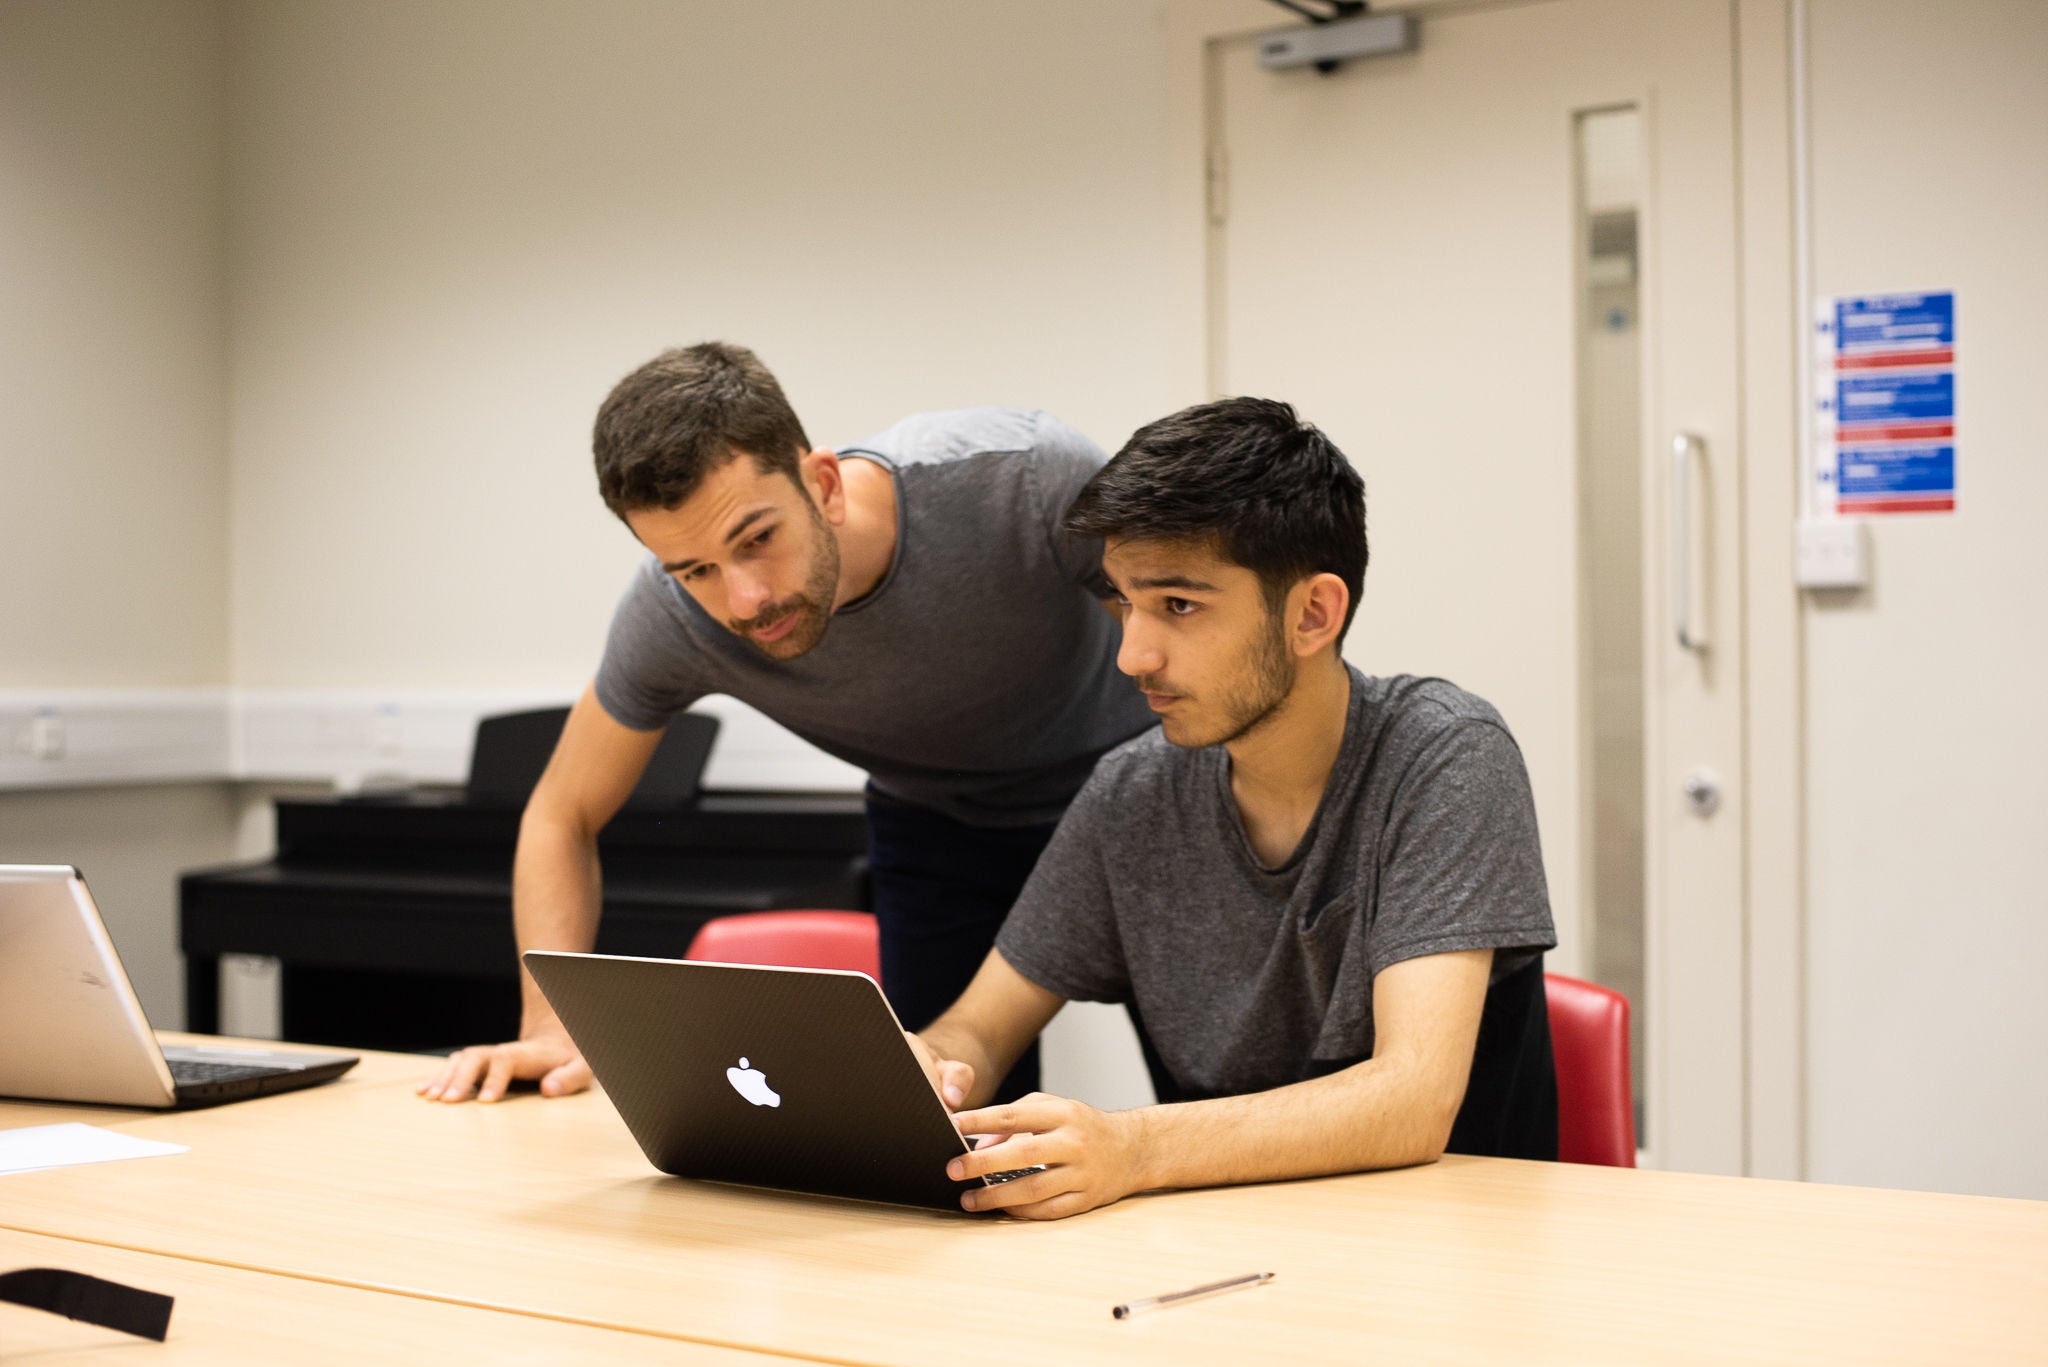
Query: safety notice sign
1885, 403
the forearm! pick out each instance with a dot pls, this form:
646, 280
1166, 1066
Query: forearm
556, 901
1376, 1114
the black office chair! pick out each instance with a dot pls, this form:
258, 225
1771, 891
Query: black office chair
511, 750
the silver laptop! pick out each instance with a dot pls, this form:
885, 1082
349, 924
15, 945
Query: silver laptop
71, 1028
793, 1078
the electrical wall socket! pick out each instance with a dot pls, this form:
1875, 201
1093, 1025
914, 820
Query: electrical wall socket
46, 734
1833, 553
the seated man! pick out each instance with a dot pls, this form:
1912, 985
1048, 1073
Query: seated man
1321, 892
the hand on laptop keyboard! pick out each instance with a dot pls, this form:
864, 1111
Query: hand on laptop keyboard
995, 1179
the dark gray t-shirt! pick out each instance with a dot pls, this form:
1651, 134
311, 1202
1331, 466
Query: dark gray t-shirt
978, 678
1248, 977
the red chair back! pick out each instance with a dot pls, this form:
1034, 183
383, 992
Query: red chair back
1596, 1114
792, 939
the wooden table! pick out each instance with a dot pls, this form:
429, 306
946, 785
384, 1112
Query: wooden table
547, 1207
230, 1314
226, 1315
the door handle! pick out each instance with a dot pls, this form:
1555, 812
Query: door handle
1685, 452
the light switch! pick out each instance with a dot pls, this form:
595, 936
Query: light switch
1833, 553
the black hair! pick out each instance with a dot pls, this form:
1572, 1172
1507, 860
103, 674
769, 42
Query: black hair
1269, 491
685, 414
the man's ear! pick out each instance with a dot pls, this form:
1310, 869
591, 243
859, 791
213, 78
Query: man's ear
825, 483
1318, 605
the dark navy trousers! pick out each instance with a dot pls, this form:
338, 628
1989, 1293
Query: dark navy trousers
941, 891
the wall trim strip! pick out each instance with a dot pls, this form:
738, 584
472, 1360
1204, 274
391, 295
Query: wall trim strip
85, 738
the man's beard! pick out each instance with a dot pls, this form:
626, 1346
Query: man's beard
812, 606
1257, 693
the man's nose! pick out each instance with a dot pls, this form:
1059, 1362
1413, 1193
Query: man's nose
748, 593
1136, 655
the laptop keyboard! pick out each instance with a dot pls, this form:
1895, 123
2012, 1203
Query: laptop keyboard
996, 1179
191, 1071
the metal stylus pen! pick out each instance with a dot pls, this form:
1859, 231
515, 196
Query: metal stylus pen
1124, 1312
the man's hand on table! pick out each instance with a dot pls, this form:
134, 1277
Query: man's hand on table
1091, 1158
545, 1055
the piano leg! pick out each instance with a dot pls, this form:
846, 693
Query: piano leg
202, 993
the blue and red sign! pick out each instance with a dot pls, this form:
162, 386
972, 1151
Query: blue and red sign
1887, 403
1902, 479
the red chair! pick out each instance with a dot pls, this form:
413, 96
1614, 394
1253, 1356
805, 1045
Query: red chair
1596, 1114
792, 939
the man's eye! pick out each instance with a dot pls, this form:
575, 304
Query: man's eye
695, 573
1180, 607
761, 540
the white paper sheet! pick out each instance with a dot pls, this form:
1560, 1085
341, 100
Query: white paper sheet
61, 1146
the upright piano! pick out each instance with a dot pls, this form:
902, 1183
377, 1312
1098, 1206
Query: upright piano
391, 917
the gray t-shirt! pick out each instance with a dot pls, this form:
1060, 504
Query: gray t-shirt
1248, 977
978, 678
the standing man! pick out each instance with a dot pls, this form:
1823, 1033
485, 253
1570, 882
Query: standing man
910, 604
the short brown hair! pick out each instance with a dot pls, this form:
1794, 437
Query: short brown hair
686, 413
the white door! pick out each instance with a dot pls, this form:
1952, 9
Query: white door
1400, 248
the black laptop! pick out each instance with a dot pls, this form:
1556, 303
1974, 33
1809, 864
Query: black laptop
793, 1078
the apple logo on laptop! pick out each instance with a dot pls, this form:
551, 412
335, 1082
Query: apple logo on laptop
752, 1084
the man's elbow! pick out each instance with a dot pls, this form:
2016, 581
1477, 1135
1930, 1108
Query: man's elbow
1432, 1148
1434, 1121
1421, 1149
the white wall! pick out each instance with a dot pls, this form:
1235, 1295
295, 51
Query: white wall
454, 224
1928, 909
113, 452
113, 461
